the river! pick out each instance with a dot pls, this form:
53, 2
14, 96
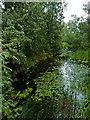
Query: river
73, 75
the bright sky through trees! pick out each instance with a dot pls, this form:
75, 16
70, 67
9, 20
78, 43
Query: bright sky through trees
74, 7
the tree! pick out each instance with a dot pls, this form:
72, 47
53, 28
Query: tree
31, 33
75, 38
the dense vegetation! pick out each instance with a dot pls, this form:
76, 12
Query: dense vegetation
34, 40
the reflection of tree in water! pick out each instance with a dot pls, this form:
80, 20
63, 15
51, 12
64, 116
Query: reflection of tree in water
73, 76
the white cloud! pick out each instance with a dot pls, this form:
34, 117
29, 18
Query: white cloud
74, 7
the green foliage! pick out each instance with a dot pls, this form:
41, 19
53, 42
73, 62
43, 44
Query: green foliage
34, 39
83, 112
81, 55
75, 33
39, 109
31, 33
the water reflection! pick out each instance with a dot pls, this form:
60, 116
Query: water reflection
73, 75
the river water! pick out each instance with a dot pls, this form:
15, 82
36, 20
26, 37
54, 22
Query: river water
73, 75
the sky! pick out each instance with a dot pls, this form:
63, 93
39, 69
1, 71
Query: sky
74, 7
